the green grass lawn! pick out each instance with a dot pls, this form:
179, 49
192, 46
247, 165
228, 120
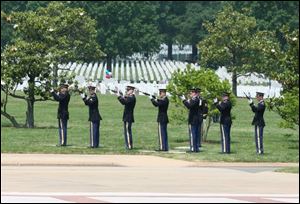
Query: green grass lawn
294, 170
281, 145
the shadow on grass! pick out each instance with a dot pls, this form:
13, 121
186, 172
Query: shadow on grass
11, 125
231, 153
47, 127
180, 140
296, 146
293, 144
6, 125
217, 142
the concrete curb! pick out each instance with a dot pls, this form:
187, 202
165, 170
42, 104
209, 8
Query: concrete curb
119, 161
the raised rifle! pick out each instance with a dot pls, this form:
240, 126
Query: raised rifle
115, 91
147, 94
247, 96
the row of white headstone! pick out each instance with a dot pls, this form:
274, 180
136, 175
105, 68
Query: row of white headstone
152, 88
135, 70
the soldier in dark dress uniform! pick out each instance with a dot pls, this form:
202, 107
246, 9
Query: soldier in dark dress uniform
225, 121
194, 119
258, 121
203, 111
129, 102
162, 118
94, 115
63, 97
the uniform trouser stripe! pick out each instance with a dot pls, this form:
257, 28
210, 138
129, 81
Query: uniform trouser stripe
258, 135
258, 142
62, 132
160, 137
224, 141
91, 134
127, 134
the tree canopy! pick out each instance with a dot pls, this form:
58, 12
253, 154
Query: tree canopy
124, 28
211, 87
227, 42
45, 38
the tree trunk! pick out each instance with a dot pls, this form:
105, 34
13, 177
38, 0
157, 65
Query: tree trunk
146, 55
234, 83
11, 118
194, 53
5, 114
30, 105
170, 51
109, 61
207, 126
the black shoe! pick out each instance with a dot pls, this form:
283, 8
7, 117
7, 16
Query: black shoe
63, 145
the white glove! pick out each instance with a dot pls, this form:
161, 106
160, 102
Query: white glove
117, 92
51, 90
250, 101
215, 100
182, 97
150, 97
82, 95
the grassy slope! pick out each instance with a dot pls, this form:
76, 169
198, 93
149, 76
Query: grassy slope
294, 170
281, 145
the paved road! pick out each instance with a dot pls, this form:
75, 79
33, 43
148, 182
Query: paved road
146, 198
115, 178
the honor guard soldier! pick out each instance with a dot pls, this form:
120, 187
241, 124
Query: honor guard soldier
63, 97
203, 111
162, 118
129, 103
94, 115
194, 119
225, 122
258, 121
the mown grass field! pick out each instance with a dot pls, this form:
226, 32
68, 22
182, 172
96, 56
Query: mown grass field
294, 170
281, 145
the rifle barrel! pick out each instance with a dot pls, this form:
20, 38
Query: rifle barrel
247, 96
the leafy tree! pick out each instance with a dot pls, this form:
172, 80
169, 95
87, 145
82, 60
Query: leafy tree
287, 106
279, 63
190, 25
6, 30
211, 87
169, 21
25, 60
46, 38
69, 33
287, 60
7, 34
272, 15
124, 28
227, 43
